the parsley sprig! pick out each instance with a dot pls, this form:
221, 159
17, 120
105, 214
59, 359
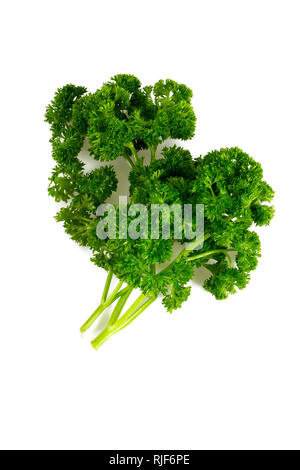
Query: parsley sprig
118, 121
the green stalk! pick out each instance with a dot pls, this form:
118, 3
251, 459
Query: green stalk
107, 332
153, 269
137, 312
208, 253
133, 151
136, 304
118, 308
184, 252
106, 287
128, 159
133, 312
102, 306
193, 245
153, 152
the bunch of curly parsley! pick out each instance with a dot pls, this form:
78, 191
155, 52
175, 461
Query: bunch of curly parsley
119, 120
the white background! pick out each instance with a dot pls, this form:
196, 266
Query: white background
213, 375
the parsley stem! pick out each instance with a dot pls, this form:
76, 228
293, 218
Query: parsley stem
133, 312
208, 253
153, 269
128, 159
185, 251
137, 312
133, 151
102, 307
153, 152
119, 307
135, 305
106, 287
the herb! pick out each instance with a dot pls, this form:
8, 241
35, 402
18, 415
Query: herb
119, 120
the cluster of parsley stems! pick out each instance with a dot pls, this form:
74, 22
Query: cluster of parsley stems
118, 322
